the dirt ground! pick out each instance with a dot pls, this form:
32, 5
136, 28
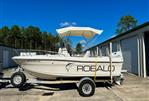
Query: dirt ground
134, 89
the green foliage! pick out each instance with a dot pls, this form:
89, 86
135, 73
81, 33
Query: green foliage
28, 38
4, 34
126, 23
79, 48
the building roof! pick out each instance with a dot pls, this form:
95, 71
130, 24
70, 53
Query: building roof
1, 44
122, 34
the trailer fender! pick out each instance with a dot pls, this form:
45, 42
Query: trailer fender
85, 78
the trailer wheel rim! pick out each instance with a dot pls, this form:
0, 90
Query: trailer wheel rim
87, 88
17, 79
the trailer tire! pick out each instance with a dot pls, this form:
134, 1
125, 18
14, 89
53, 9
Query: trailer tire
86, 88
18, 79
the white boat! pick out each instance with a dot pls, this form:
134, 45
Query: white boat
64, 66
61, 66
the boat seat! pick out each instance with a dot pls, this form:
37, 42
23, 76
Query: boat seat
64, 52
87, 54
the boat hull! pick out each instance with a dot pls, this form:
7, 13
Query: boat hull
52, 68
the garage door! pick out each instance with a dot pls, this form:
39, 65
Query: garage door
5, 59
147, 52
130, 54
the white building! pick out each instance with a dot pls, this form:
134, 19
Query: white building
134, 45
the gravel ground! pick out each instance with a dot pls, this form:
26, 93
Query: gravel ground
134, 89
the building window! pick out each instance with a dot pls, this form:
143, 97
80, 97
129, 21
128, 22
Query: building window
115, 47
104, 50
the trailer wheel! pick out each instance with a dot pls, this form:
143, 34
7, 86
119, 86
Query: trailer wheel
86, 87
18, 79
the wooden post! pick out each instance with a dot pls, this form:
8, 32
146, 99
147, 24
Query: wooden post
110, 58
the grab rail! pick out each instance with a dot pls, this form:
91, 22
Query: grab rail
38, 52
